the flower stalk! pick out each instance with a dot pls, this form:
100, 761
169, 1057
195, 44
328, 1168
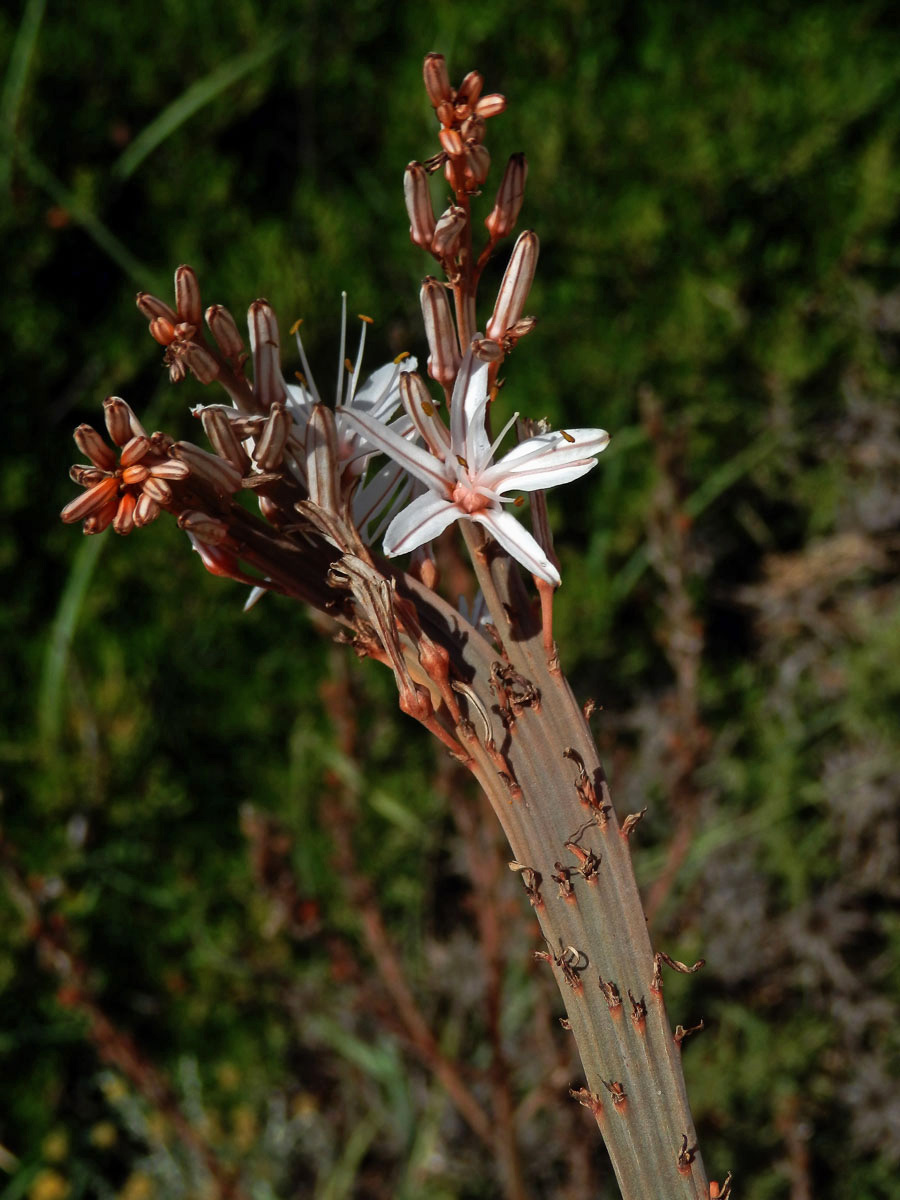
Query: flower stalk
384, 467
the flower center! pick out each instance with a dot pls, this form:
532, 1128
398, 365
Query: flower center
465, 497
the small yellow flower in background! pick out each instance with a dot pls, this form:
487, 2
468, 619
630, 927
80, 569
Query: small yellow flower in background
245, 1127
137, 1186
229, 1076
48, 1185
103, 1135
114, 1089
55, 1146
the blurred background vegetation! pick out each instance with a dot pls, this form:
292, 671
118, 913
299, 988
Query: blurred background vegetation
188, 992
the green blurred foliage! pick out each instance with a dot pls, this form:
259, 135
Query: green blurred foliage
716, 190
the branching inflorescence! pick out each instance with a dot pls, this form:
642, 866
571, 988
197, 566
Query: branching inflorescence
382, 466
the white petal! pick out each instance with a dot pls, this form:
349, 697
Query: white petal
379, 396
547, 460
517, 541
425, 518
468, 435
414, 459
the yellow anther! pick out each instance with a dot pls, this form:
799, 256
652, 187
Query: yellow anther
348, 365
427, 408
296, 325
567, 436
401, 357
301, 378
462, 462
518, 502
368, 320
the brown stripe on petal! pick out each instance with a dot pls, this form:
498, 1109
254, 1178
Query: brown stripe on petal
91, 501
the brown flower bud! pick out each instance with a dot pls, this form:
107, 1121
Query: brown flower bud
478, 163
187, 296
503, 216
437, 81
269, 450
444, 360
224, 329
121, 421
152, 308
417, 195
470, 89
123, 522
491, 106
146, 510
91, 501
218, 428
199, 361
89, 442
223, 475
204, 527
268, 383
516, 284
447, 232
452, 142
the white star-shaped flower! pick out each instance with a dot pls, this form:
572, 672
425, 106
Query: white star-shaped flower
462, 480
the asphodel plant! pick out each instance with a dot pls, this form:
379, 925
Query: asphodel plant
351, 498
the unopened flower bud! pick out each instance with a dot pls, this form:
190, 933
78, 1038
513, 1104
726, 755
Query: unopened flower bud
158, 490
444, 360
219, 472
152, 308
91, 502
268, 383
503, 216
417, 194
224, 329
89, 442
146, 510
162, 330
187, 296
491, 106
121, 421
269, 450
322, 459
473, 129
134, 450
446, 113
470, 89
447, 232
102, 519
207, 529
437, 81
478, 163
452, 142
123, 522
516, 284
487, 349
199, 361
218, 428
